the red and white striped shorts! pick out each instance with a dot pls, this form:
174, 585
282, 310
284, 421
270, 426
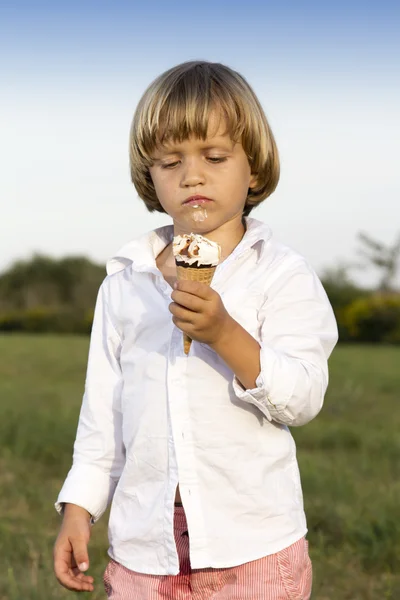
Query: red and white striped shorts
286, 575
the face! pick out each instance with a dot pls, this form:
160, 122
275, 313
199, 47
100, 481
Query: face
213, 174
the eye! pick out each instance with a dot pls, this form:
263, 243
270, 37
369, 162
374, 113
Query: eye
170, 165
216, 159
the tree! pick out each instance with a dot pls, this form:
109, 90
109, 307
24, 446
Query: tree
384, 257
41, 281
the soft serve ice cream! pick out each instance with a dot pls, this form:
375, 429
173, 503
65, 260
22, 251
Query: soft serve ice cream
195, 251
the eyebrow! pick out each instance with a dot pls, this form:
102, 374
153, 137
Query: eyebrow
166, 150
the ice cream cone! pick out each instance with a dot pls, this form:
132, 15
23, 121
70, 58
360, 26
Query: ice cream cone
196, 259
201, 274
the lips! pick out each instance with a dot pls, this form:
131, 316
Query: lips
197, 200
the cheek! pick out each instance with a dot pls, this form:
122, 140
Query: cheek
241, 180
166, 194
157, 187
241, 174
160, 185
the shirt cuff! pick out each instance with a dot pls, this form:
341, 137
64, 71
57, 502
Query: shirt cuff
256, 396
89, 487
260, 395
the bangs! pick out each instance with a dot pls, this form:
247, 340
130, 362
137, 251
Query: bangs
186, 106
194, 99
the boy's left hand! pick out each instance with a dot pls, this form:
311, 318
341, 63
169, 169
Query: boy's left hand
199, 312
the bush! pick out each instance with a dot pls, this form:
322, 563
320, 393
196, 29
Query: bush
375, 318
44, 281
342, 291
42, 319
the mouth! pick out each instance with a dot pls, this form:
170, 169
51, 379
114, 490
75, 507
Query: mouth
196, 201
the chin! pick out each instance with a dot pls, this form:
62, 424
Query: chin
192, 226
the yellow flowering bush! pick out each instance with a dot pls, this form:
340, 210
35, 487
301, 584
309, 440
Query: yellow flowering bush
374, 318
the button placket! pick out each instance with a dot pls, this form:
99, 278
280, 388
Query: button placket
182, 436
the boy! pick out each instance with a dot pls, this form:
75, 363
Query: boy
207, 432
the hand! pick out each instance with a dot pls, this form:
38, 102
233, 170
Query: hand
70, 550
199, 312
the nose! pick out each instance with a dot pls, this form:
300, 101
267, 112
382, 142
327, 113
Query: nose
192, 173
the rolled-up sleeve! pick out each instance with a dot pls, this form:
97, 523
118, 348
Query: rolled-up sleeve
298, 334
99, 454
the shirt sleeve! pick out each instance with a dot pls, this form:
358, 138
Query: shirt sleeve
99, 454
298, 334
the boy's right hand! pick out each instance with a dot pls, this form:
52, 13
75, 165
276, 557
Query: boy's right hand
70, 550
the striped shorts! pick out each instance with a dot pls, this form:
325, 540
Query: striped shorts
286, 575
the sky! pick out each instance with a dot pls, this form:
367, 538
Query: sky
327, 76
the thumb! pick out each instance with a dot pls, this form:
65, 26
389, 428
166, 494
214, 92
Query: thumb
81, 556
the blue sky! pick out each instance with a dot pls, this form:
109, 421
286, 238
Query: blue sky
108, 34
72, 73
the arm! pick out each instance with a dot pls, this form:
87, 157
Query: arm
298, 334
70, 553
286, 375
240, 351
99, 455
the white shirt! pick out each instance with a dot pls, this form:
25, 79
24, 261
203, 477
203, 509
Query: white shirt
153, 417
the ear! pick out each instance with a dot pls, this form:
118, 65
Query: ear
253, 180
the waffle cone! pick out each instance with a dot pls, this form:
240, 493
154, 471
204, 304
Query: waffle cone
203, 275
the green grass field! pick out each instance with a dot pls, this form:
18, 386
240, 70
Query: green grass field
349, 459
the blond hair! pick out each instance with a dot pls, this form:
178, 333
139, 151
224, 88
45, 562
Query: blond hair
178, 104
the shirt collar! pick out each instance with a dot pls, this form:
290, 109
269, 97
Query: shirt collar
141, 253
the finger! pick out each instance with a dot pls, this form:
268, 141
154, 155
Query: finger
79, 548
69, 580
202, 290
81, 581
184, 326
181, 313
79, 586
82, 576
188, 301
62, 559
66, 571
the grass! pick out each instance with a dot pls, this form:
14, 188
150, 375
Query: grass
349, 461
